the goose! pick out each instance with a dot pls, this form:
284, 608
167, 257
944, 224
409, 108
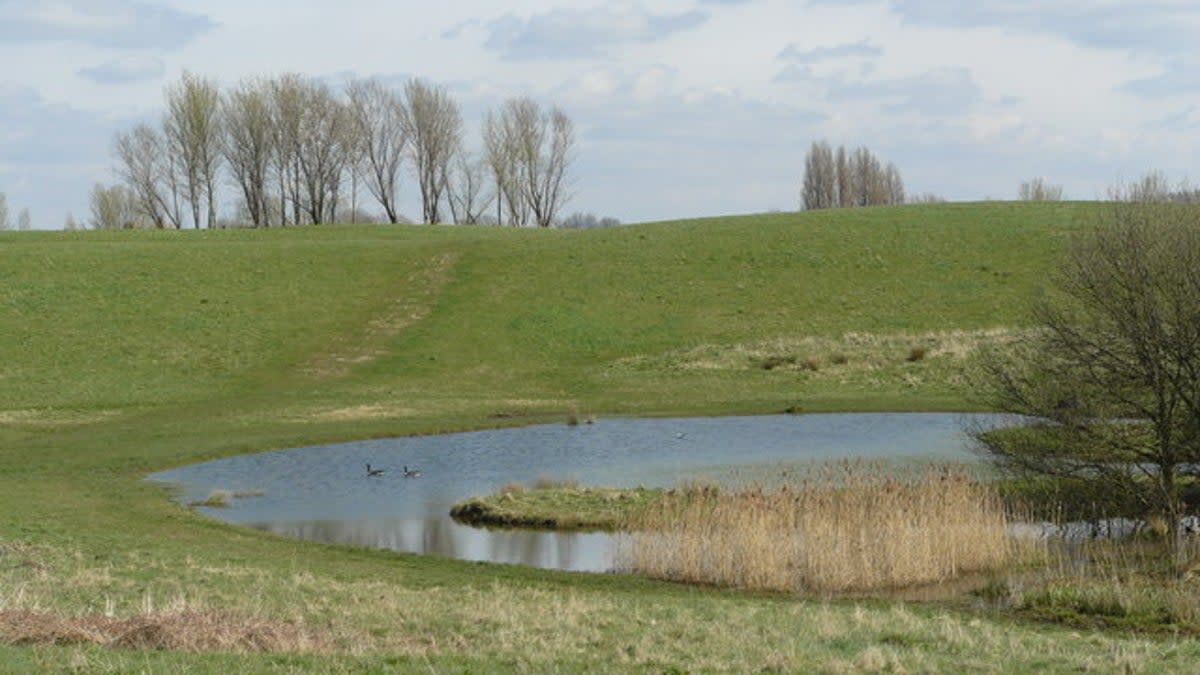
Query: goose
411, 473
373, 472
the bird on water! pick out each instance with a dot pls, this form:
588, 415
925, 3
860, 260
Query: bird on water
411, 473
373, 472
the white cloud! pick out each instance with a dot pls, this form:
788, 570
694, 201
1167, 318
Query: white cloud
104, 23
125, 69
582, 33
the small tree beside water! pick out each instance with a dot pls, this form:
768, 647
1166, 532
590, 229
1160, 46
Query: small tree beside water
1113, 377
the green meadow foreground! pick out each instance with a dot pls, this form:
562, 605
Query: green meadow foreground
125, 353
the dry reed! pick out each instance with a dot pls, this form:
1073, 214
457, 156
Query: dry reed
849, 529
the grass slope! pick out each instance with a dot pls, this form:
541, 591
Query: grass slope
123, 353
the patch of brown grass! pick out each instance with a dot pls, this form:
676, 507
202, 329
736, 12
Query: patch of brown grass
546, 482
361, 412
851, 351
848, 530
188, 631
512, 488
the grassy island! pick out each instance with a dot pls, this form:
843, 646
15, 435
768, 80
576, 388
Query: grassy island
557, 507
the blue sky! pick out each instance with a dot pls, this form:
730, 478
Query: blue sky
683, 107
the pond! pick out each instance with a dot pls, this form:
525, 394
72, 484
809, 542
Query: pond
324, 493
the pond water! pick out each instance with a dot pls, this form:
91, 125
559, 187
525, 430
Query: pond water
324, 493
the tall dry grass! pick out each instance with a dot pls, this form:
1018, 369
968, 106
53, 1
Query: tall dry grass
847, 529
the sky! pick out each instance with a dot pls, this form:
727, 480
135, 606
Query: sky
682, 108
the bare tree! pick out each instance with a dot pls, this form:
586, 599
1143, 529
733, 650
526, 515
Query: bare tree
320, 152
114, 208
287, 114
469, 196
4, 224
870, 185
24, 221
151, 172
249, 146
583, 221
1155, 187
845, 181
1038, 190
894, 184
529, 153
550, 189
434, 126
377, 121
500, 143
1113, 376
820, 189
193, 132
542, 144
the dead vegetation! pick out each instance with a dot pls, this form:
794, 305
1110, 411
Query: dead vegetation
851, 529
187, 631
852, 352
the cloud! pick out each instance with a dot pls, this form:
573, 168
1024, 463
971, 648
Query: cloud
581, 33
459, 28
1156, 25
39, 132
938, 92
1185, 120
1177, 79
125, 70
99, 23
53, 152
653, 146
794, 55
942, 91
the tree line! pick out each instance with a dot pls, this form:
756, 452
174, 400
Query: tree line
841, 179
298, 151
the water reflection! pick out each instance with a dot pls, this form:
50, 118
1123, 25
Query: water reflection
575, 551
324, 493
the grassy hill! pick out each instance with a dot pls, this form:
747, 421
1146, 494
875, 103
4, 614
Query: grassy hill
127, 352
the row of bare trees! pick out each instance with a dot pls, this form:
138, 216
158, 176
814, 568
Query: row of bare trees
297, 151
842, 179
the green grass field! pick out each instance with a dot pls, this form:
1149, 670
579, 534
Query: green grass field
129, 352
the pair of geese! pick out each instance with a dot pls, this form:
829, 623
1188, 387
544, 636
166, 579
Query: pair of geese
408, 473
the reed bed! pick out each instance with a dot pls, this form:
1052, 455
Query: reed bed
846, 529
